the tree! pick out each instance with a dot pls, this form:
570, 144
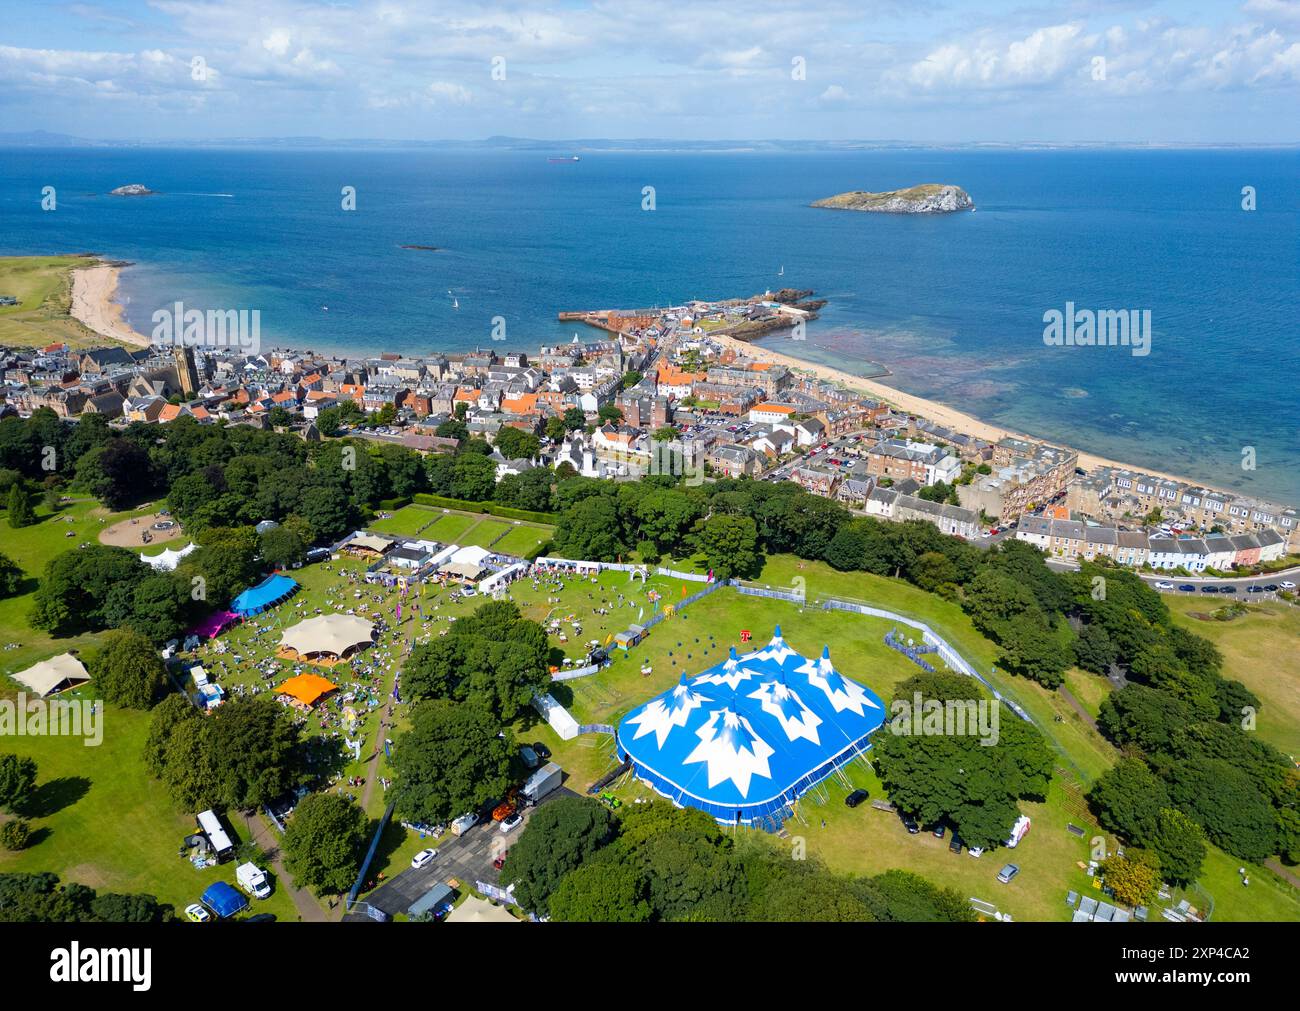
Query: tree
939, 775
118, 473
1128, 798
451, 761
589, 530
557, 839
11, 577
1034, 650
329, 513
631, 378
665, 434
1134, 877
601, 891
324, 843
329, 422
1227, 804
17, 781
127, 670
452, 428
15, 834
1180, 844
729, 545
282, 548
555, 429
21, 513
609, 412
574, 419
473, 477
76, 588
690, 866
514, 444
906, 897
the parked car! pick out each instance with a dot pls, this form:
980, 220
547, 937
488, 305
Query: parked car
1007, 873
543, 752
1286, 584
975, 851
197, 914
856, 798
423, 858
1272, 587
1254, 589
955, 844
1186, 588
531, 760
500, 861
1209, 589
1227, 589
1162, 585
909, 823
939, 831
511, 823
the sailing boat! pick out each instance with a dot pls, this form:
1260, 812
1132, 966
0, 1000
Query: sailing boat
455, 303
781, 272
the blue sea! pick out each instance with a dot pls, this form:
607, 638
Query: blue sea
952, 306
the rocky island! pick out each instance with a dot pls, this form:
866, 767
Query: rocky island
928, 198
132, 190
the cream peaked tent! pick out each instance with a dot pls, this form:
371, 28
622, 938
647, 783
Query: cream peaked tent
57, 674
475, 910
332, 634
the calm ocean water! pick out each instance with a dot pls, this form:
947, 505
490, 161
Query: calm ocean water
952, 305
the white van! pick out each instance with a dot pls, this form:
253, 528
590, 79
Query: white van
252, 879
464, 823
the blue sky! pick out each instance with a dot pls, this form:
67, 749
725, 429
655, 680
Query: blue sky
1187, 71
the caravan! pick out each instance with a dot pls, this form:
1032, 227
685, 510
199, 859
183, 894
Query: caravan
210, 825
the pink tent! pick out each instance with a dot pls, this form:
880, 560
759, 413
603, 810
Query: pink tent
214, 624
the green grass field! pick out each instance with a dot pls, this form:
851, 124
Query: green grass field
464, 529
44, 286
31, 547
1259, 650
99, 820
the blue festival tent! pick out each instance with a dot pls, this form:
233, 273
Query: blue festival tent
269, 592
223, 899
748, 736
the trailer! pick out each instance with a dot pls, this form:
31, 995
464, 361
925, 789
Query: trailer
210, 825
543, 781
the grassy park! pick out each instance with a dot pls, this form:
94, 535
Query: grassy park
102, 822
43, 286
509, 537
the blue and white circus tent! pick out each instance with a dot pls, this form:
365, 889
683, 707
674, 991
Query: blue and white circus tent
746, 737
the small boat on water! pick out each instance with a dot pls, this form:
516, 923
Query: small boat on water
455, 303
569, 158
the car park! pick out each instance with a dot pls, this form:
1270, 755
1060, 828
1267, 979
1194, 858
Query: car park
423, 858
856, 798
1007, 873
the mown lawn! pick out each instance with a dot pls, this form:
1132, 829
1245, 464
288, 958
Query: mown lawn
43, 285
1259, 650
31, 548
406, 522
99, 820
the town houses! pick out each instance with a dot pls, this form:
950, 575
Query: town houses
657, 387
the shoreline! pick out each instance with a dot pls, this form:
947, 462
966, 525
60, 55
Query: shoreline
94, 285
937, 411
93, 288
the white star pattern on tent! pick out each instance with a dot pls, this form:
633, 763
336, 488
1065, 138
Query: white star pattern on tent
840, 691
659, 718
776, 649
731, 750
782, 702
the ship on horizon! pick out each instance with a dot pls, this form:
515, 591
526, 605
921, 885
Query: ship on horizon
566, 158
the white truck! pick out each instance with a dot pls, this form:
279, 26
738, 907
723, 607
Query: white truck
542, 782
464, 823
252, 879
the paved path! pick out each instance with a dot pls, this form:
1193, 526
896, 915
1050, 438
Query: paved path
1077, 706
309, 910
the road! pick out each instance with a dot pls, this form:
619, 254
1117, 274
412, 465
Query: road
468, 858
1240, 585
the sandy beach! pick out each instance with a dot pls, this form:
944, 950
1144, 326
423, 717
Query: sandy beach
93, 288
933, 410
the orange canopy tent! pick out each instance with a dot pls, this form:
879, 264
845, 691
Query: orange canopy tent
307, 689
